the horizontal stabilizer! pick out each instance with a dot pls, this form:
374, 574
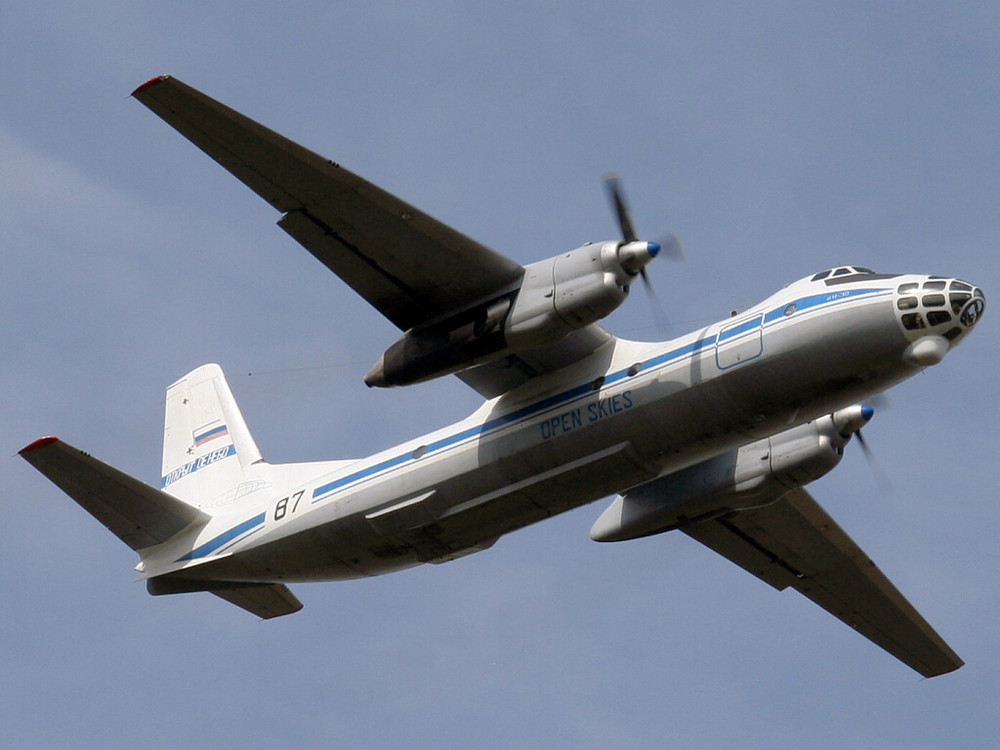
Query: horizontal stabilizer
139, 515
794, 542
266, 600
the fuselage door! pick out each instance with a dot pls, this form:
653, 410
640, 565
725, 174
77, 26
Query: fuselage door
739, 342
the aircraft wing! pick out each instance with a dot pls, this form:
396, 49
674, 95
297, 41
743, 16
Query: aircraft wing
794, 542
409, 266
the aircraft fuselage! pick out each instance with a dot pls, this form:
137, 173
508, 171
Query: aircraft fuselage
623, 417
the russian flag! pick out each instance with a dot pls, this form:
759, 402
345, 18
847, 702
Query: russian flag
211, 434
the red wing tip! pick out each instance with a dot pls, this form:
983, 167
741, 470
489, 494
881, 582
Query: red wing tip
40, 443
150, 83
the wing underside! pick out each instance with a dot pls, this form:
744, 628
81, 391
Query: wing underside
795, 543
411, 267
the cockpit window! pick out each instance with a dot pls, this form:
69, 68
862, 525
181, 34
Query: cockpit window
936, 285
849, 274
913, 321
911, 287
958, 300
971, 313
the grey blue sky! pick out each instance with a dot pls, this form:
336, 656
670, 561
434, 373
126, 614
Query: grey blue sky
776, 138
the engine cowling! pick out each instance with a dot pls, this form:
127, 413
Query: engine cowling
751, 476
575, 289
556, 296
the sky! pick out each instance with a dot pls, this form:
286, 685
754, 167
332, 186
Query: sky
775, 138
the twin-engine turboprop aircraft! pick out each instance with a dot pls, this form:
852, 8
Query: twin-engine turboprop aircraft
714, 433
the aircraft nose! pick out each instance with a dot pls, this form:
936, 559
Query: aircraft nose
936, 313
939, 303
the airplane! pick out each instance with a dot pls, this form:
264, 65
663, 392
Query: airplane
714, 433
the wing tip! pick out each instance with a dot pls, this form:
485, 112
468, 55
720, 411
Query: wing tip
952, 664
154, 81
40, 443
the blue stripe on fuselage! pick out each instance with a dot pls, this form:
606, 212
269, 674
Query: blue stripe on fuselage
213, 544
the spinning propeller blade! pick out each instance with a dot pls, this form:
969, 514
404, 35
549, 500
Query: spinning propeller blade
614, 186
854, 429
670, 244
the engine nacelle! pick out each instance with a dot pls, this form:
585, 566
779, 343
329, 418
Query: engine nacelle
751, 476
573, 290
556, 296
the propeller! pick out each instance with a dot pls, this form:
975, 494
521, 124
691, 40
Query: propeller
630, 258
635, 254
669, 245
851, 421
881, 478
613, 184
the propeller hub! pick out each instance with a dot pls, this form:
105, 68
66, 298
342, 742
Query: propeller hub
849, 421
634, 256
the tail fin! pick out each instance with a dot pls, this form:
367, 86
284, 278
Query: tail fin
207, 445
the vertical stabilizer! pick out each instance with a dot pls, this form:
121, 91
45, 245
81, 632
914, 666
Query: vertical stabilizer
206, 443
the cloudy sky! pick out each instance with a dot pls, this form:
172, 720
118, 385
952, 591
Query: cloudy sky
776, 138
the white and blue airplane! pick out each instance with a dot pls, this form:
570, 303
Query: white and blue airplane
714, 433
